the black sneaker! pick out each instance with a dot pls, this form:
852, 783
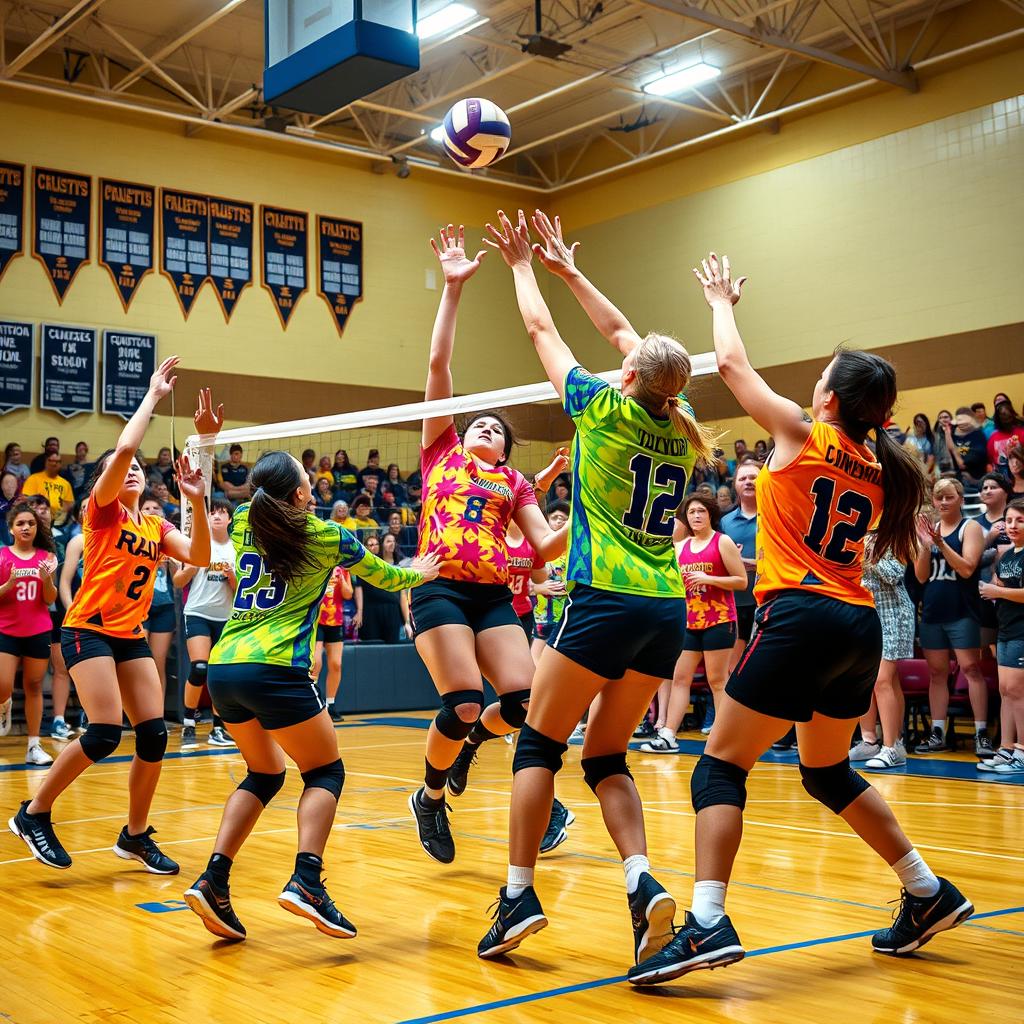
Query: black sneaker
514, 920
983, 745
645, 730
314, 904
920, 918
37, 831
788, 742
692, 949
434, 831
458, 774
213, 905
935, 742
188, 737
145, 851
561, 819
336, 715
652, 910
220, 737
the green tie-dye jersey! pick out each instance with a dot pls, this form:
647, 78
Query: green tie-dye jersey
274, 623
629, 474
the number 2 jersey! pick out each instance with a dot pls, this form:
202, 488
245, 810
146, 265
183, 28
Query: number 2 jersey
629, 473
813, 515
120, 560
274, 623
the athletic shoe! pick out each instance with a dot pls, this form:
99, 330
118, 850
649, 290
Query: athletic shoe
83, 724
983, 745
935, 743
561, 819
37, 831
652, 910
145, 851
1002, 756
663, 743
889, 757
576, 736
709, 718
336, 715
314, 904
5, 716
644, 730
864, 750
220, 737
37, 756
920, 918
458, 774
788, 742
1015, 766
693, 948
188, 737
514, 920
213, 905
60, 730
434, 831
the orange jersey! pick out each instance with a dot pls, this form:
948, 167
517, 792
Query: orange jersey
332, 608
812, 518
120, 561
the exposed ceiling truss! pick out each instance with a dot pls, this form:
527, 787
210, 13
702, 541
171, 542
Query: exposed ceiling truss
575, 118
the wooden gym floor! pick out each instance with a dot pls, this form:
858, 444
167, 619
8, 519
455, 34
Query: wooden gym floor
107, 942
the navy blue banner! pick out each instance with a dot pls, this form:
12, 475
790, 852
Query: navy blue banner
127, 234
339, 265
62, 219
283, 235
231, 233
67, 366
129, 360
185, 243
17, 365
12, 213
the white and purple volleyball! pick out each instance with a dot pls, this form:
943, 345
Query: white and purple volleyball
476, 133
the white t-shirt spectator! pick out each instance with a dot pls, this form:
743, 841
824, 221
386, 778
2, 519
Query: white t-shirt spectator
208, 595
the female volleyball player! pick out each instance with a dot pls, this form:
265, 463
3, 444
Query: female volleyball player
330, 635
463, 622
259, 680
815, 656
105, 653
622, 627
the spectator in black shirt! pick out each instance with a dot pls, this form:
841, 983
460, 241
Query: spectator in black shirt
324, 497
393, 482
346, 479
234, 475
50, 445
414, 493
372, 468
77, 473
404, 535
164, 468
968, 447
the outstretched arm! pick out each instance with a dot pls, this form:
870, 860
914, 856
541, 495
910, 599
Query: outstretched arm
548, 543
560, 259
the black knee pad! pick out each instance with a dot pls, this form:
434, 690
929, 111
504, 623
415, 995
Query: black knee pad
197, 673
535, 750
597, 769
328, 776
716, 782
151, 740
263, 785
836, 786
511, 707
447, 720
100, 741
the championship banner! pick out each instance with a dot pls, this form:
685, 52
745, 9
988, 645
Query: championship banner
129, 360
62, 211
67, 369
231, 231
284, 257
12, 213
185, 243
127, 233
17, 365
339, 265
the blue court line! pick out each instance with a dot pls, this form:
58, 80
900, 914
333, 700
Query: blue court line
585, 986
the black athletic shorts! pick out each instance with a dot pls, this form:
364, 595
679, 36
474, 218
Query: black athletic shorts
745, 621
161, 619
330, 634
196, 625
56, 621
529, 623
611, 633
810, 653
715, 638
36, 646
82, 644
275, 695
444, 602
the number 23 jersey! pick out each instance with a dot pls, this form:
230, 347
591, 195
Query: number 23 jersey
629, 473
813, 515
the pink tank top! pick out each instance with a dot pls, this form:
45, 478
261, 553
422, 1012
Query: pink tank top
706, 606
522, 561
23, 612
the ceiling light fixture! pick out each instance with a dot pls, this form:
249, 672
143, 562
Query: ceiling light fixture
679, 79
437, 134
444, 20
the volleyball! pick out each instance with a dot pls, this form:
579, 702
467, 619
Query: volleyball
476, 133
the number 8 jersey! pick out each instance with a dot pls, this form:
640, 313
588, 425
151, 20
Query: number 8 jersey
629, 474
813, 515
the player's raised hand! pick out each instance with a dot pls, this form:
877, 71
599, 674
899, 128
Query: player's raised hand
546, 477
207, 420
190, 479
558, 257
162, 382
428, 566
451, 254
512, 242
716, 280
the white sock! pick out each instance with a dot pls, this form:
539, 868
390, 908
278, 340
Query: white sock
58, 718
186, 721
708, 902
917, 878
634, 867
980, 726
940, 724
33, 741
667, 734
518, 880
869, 737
